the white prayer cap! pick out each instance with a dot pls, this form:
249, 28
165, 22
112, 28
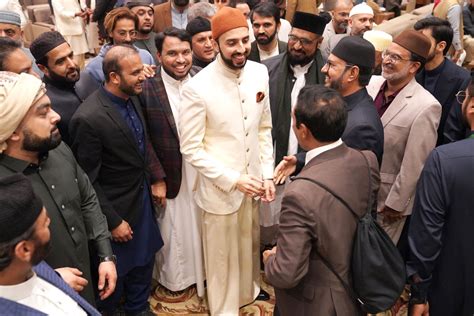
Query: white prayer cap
17, 94
361, 8
381, 40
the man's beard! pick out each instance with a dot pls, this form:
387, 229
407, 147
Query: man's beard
395, 76
295, 60
231, 65
146, 31
64, 79
181, 3
267, 39
343, 26
128, 89
337, 84
430, 57
34, 143
41, 251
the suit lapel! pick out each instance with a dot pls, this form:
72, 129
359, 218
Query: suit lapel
331, 154
118, 120
399, 103
163, 99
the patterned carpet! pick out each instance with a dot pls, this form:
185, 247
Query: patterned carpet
164, 302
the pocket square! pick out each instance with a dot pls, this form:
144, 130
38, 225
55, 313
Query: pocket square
260, 96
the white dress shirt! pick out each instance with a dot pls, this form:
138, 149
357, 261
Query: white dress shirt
42, 296
319, 150
173, 89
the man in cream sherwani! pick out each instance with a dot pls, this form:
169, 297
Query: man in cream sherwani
225, 128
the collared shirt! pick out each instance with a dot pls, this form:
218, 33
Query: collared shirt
179, 19
173, 89
381, 102
42, 296
72, 204
319, 150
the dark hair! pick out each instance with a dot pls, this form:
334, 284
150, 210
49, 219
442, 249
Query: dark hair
7, 47
322, 110
111, 62
266, 10
115, 15
234, 3
171, 32
417, 58
7, 249
365, 73
441, 30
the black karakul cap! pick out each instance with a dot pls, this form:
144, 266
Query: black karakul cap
19, 206
355, 50
309, 22
46, 42
198, 25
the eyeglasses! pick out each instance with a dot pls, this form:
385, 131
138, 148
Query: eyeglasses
393, 58
461, 96
304, 41
331, 65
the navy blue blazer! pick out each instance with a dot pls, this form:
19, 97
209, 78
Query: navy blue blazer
451, 80
45, 272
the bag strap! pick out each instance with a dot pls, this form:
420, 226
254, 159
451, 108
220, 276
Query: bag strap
346, 286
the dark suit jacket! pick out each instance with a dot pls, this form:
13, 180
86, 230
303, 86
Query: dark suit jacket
441, 234
255, 54
162, 130
451, 80
106, 149
364, 130
45, 272
162, 17
280, 105
313, 221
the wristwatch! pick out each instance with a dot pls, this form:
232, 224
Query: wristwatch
111, 258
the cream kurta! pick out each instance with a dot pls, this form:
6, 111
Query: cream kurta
179, 263
225, 132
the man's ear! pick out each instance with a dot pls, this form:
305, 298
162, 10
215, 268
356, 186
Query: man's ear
24, 250
44, 69
441, 46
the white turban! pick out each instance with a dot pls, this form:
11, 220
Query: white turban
17, 94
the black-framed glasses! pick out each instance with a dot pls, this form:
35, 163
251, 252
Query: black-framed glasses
461, 96
304, 41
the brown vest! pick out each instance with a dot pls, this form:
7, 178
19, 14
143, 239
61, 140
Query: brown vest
441, 11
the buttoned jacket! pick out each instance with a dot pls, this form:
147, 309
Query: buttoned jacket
225, 131
410, 131
66, 22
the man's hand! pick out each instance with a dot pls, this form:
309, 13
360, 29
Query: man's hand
107, 279
285, 168
269, 194
122, 233
420, 310
149, 70
268, 253
456, 55
250, 185
390, 215
72, 277
158, 190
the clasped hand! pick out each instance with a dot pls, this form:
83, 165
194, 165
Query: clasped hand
256, 187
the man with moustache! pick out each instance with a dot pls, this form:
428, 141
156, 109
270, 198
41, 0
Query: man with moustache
30, 143
339, 24
66, 87
203, 45
225, 134
28, 285
171, 13
10, 26
348, 70
179, 263
265, 19
410, 116
110, 141
145, 36
441, 77
440, 232
121, 25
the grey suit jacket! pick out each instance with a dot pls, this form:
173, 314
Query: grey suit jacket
313, 221
410, 131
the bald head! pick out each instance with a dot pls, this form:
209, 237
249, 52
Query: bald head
112, 58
